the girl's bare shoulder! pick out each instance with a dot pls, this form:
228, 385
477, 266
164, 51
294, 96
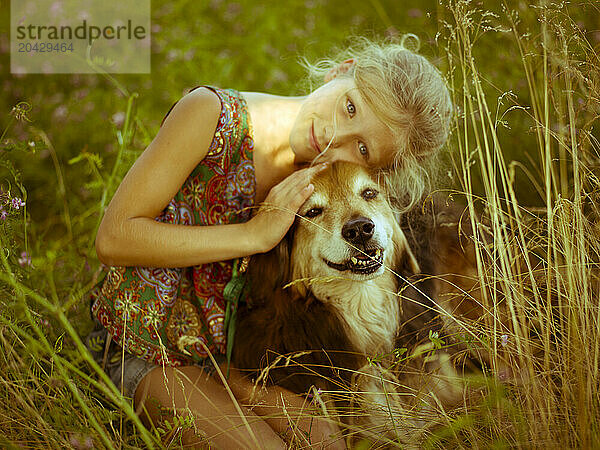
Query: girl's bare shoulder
201, 103
190, 122
159, 172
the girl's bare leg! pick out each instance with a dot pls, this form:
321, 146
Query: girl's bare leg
283, 409
191, 391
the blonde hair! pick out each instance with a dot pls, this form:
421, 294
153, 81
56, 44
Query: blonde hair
407, 93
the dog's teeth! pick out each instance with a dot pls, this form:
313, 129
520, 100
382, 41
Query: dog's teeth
354, 260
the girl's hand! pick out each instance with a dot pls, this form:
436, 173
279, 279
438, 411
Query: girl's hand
278, 212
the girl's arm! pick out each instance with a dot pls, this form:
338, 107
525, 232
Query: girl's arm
129, 235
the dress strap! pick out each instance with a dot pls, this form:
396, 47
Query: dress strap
173, 105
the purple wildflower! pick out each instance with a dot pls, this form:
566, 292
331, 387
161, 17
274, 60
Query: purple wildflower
81, 442
16, 203
118, 118
503, 375
24, 259
3, 214
56, 9
504, 340
60, 112
313, 397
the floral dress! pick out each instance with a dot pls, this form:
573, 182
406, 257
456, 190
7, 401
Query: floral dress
163, 315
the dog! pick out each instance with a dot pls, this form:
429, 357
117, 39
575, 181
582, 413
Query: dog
324, 309
353, 286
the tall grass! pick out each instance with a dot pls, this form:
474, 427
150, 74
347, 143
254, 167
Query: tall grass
541, 268
53, 393
540, 385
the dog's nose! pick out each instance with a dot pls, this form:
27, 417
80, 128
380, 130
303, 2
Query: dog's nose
359, 230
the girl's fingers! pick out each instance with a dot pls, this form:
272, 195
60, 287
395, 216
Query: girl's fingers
300, 179
297, 194
280, 207
294, 190
302, 196
306, 174
312, 171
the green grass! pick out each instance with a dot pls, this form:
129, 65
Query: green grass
523, 151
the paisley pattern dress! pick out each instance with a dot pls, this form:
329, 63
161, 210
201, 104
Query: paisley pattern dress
163, 315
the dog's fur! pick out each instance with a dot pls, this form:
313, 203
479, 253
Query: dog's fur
344, 316
315, 323
306, 302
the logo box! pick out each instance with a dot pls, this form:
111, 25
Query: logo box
80, 36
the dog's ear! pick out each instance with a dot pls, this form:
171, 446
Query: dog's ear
287, 275
284, 257
419, 313
270, 271
406, 262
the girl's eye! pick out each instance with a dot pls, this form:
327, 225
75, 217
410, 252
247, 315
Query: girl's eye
350, 107
313, 212
362, 148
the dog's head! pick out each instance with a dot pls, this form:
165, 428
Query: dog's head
346, 229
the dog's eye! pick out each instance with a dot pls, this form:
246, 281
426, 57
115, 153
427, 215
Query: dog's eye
313, 212
369, 194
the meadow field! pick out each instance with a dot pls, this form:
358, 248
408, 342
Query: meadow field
524, 153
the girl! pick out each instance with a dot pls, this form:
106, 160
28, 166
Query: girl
218, 153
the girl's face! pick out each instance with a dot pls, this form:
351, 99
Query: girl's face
336, 124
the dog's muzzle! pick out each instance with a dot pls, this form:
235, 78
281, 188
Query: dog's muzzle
367, 256
362, 263
358, 231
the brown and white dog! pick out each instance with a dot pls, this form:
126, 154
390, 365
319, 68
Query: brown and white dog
352, 281
328, 293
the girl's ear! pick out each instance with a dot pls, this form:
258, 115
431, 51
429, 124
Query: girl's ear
341, 68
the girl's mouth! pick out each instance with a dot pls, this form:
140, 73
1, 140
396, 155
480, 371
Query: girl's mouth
313, 139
